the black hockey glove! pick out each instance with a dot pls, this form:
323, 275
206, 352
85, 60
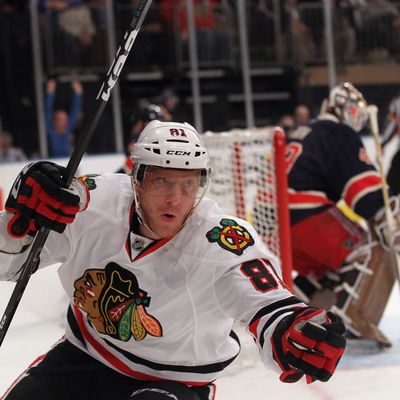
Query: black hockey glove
309, 341
39, 198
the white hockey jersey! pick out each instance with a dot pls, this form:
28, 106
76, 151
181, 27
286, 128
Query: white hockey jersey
161, 309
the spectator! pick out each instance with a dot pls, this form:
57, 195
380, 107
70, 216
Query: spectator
211, 23
345, 33
60, 125
312, 15
7, 151
378, 27
151, 43
287, 123
301, 46
302, 115
261, 30
169, 100
73, 27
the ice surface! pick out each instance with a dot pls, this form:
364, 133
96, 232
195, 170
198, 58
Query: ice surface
358, 377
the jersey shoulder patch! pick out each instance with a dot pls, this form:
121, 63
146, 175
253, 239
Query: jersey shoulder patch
89, 181
231, 236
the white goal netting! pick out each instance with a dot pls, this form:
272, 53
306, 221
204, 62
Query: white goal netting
246, 181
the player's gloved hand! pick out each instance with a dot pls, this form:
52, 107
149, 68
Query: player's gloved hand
308, 342
39, 198
388, 239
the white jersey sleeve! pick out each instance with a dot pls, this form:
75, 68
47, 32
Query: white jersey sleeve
248, 283
14, 252
254, 294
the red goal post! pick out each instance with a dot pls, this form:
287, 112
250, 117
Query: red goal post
249, 181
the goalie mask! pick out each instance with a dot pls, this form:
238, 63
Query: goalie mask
170, 145
349, 105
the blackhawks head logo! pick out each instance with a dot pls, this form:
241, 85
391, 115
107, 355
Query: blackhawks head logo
231, 236
114, 303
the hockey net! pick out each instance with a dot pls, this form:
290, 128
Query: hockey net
249, 181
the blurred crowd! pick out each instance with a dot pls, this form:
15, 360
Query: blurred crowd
74, 31
74, 37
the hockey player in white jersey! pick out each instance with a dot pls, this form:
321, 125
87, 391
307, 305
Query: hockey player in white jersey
156, 275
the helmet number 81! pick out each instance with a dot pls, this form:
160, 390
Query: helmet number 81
177, 132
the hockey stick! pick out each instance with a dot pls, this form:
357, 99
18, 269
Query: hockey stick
111, 78
390, 222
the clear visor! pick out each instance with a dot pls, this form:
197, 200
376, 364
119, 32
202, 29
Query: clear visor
355, 114
174, 182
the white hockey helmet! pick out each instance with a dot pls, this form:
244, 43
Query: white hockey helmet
349, 105
170, 145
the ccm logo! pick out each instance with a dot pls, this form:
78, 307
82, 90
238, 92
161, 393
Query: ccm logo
178, 153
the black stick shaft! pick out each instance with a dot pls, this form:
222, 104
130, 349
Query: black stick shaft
110, 80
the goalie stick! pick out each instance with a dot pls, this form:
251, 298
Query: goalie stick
390, 222
109, 82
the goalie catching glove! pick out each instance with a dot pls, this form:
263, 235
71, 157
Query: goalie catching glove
39, 198
309, 341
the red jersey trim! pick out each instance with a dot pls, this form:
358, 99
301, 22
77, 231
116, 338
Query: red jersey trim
308, 199
359, 186
253, 328
149, 249
153, 247
113, 360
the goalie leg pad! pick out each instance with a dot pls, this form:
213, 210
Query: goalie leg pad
358, 292
363, 312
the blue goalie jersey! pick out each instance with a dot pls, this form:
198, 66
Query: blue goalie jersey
327, 162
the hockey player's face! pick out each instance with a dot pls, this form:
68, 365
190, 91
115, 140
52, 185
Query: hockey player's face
166, 197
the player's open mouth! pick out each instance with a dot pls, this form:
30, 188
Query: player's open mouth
168, 217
